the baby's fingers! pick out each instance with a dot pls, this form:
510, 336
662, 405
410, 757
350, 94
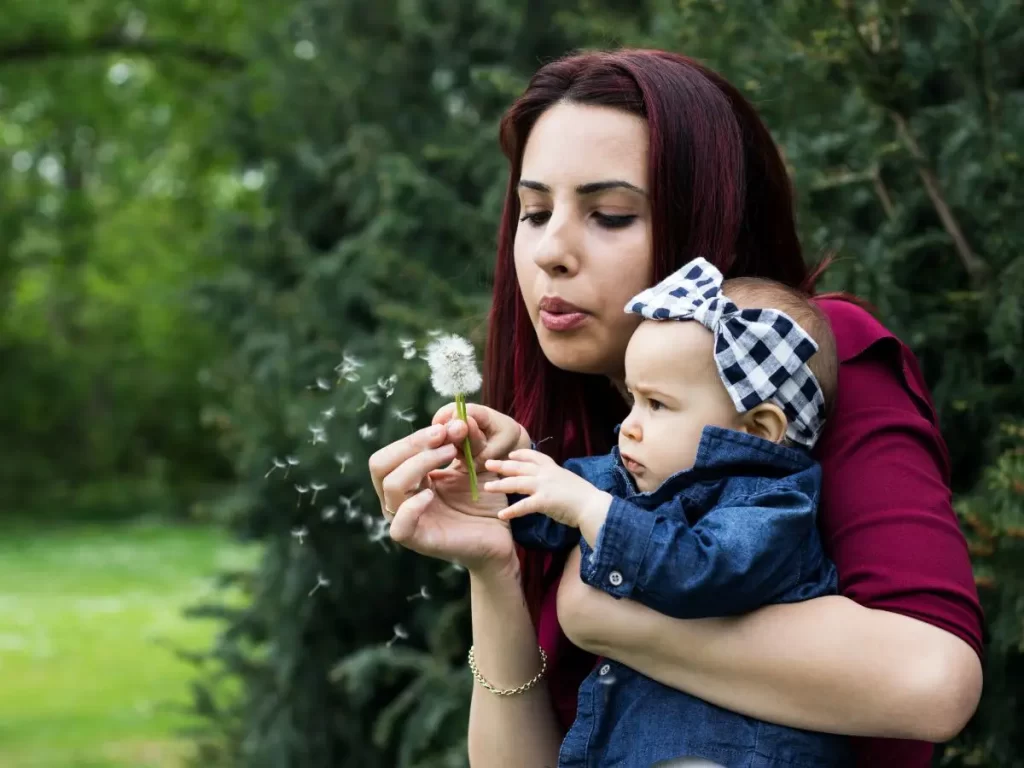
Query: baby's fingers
510, 468
528, 506
524, 486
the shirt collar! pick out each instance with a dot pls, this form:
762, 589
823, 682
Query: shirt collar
722, 453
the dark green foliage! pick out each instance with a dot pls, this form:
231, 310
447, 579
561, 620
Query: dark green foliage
339, 189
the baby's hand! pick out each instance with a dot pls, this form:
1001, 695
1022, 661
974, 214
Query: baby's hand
558, 493
492, 434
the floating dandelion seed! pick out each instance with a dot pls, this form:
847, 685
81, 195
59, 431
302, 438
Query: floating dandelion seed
351, 513
386, 384
454, 568
453, 373
321, 383
408, 348
399, 634
350, 376
278, 464
303, 490
319, 434
329, 413
369, 523
380, 532
320, 582
408, 415
423, 594
367, 432
291, 461
434, 333
343, 459
329, 513
300, 533
317, 487
372, 396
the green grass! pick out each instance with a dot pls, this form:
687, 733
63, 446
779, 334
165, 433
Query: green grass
86, 680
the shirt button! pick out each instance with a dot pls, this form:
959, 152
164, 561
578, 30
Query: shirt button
615, 578
605, 669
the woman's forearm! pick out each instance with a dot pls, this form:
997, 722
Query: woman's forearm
826, 665
508, 731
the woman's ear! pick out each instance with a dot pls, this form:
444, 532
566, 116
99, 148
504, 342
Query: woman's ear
766, 421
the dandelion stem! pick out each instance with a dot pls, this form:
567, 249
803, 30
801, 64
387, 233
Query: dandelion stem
460, 406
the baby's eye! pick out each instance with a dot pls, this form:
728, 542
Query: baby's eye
656, 405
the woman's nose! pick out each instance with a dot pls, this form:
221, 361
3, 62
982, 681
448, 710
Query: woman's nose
557, 251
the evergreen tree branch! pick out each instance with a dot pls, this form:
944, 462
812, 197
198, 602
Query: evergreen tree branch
39, 47
975, 266
882, 192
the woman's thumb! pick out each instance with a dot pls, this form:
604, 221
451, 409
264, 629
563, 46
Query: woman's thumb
407, 517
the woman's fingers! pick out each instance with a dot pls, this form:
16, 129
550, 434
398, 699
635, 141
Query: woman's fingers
407, 516
384, 461
404, 480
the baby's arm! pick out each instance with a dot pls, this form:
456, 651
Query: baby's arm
754, 550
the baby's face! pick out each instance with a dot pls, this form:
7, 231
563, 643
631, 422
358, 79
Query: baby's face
671, 374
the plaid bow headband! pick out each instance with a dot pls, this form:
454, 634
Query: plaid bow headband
761, 353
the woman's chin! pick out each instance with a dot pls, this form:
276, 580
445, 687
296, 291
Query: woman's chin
579, 354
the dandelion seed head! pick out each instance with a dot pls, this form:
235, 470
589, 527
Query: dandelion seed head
452, 366
278, 463
367, 432
400, 631
302, 488
409, 353
292, 461
329, 513
318, 486
329, 413
350, 376
323, 384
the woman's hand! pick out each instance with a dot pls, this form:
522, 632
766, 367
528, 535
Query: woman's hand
430, 508
492, 435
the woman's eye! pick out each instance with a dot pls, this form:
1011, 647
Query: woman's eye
537, 218
609, 221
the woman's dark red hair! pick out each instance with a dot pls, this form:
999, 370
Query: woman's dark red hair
718, 188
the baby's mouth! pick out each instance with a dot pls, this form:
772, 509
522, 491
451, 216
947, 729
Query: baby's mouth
632, 464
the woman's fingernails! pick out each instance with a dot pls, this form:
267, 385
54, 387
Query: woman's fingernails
437, 431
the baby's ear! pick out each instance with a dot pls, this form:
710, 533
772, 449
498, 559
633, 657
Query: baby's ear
766, 421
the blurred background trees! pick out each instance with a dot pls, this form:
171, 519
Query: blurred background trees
218, 220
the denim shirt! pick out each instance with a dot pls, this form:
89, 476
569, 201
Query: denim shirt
735, 532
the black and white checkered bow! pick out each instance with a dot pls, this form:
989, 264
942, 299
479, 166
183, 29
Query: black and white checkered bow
761, 353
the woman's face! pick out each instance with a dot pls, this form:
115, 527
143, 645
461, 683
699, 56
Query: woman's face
583, 244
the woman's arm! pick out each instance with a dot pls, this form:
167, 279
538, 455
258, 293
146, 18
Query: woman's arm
825, 665
898, 654
508, 731
441, 521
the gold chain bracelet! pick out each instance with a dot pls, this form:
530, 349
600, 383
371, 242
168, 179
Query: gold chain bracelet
509, 691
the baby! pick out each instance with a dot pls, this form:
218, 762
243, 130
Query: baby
705, 508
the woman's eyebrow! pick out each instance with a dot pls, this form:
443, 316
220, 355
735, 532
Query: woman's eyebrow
590, 188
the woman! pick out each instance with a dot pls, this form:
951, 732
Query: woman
624, 166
